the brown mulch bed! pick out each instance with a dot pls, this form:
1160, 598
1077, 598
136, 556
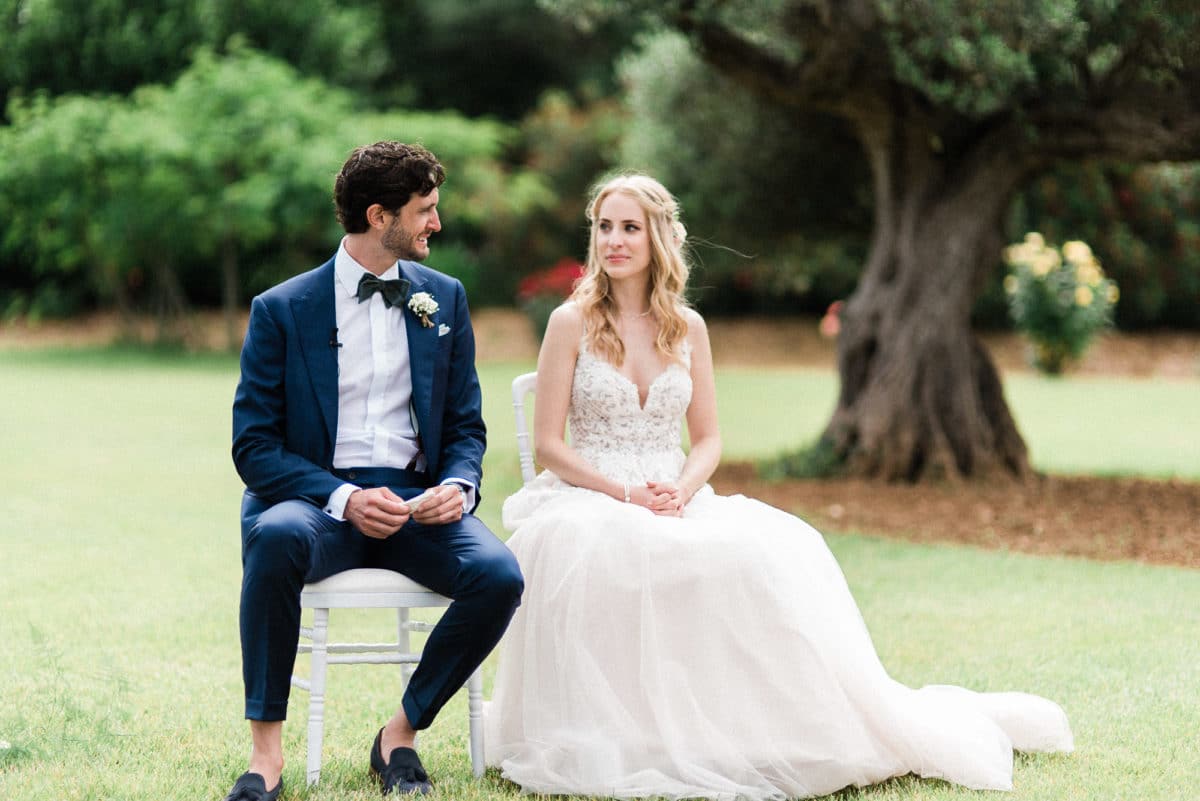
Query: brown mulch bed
1099, 518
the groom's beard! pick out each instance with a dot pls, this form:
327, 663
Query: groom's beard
402, 244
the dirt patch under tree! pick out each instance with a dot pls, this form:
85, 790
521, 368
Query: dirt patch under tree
1099, 518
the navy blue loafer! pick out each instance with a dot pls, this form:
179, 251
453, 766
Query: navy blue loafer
402, 774
253, 787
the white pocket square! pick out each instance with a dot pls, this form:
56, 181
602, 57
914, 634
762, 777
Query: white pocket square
443, 329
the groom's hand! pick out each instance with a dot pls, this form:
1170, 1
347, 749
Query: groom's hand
377, 512
444, 506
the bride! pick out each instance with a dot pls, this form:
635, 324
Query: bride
674, 642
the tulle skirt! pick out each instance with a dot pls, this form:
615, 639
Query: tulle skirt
718, 655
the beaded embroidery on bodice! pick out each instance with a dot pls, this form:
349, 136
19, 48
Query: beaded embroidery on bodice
621, 438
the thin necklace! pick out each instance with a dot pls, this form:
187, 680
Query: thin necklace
635, 316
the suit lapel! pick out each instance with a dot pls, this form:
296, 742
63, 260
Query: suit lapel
421, 344
316, 327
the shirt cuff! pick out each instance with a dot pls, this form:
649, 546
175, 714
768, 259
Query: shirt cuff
468, 492
335, 507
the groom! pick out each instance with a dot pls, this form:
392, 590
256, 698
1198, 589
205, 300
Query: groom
358, 390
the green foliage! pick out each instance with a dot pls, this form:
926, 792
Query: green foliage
1143, 222
817, 460
241, 150
1060, 301
569, 145
162, 182
161, 197
477, 56
53, 200
343, 42
981, 57
92, 45
777, 221
972, 57
497, 57
66, 46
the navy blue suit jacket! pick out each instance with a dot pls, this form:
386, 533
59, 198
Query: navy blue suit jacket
286, 405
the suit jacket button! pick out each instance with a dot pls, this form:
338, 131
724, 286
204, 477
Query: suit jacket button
352, 475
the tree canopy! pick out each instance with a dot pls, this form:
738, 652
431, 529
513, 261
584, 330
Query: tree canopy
1109, 78
492, 57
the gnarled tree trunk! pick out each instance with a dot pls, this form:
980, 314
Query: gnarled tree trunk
920, 396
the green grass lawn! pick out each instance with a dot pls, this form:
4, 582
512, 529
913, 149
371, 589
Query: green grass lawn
119, 576
1098, 426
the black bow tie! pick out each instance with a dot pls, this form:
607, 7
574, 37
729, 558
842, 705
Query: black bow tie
393, 291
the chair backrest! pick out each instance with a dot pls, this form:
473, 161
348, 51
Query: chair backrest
524, 385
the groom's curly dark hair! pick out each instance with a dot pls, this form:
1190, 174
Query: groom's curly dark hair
387, 173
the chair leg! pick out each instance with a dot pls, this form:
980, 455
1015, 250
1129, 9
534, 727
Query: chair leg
316, 699
402, 640
404, 644
475, 720
316, 693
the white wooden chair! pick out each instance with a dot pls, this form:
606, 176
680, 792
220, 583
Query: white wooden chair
524, 385
371, 588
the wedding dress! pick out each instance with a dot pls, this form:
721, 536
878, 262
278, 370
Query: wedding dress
717, 655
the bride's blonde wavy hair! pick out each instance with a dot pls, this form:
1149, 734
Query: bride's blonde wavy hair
668, 271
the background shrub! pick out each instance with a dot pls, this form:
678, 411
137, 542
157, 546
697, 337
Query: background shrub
1058, 299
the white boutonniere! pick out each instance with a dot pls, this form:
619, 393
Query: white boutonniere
422, 304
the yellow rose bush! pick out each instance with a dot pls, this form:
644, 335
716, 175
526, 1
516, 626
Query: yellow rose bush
1059, 299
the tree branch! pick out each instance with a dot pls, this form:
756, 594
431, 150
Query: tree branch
835, 38
1140, 125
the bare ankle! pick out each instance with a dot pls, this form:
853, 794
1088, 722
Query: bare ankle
266, 752
398, 733
270, 767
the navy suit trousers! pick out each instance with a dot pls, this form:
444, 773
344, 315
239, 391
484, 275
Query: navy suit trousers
287, 544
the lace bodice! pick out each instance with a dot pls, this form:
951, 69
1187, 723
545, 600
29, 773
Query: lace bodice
608, 426
617, 435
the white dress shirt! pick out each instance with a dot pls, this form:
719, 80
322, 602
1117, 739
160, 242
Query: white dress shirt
376, 425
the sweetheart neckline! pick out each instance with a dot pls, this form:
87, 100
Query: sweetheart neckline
637, 393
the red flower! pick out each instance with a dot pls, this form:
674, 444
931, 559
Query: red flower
831, 324
558, 280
